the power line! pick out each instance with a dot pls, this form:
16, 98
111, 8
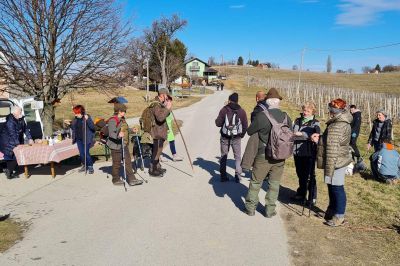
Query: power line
354, 50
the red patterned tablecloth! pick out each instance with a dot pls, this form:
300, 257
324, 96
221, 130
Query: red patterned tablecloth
43, 154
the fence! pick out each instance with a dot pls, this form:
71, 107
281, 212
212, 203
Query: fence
367, 102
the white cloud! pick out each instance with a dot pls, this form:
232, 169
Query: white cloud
237, 6
364, 12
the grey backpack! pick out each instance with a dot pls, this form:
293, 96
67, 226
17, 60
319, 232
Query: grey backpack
280, 143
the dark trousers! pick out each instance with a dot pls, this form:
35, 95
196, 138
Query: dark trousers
12, 165
305, 169
81, 148
353, 144
172, 147
116, 156
337, 199
157, 150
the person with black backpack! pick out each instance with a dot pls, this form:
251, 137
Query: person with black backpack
232, 120
274, 129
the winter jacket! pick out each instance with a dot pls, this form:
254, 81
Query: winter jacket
303, 146
171, 135
333, 147
263, 126
12, 135
229, 110
250, 152
160, 128
261, 106
387, 160
77, 126
386, 131
356, 124
115, 126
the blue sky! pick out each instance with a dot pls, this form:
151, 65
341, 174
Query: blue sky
277, 30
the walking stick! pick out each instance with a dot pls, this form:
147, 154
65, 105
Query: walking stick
123, 162
140, 153
183, 139
85, 145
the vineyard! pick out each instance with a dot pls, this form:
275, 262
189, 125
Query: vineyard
367, 102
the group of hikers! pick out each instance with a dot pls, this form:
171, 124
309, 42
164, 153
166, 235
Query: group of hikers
273, 138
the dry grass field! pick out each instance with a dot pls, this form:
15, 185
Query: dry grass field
373, 209
383, 82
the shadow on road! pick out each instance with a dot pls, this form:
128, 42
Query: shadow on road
235, 191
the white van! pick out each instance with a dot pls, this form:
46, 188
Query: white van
30, 109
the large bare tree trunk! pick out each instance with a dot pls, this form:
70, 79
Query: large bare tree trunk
163, 70
47, 116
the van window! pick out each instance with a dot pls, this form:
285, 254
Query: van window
30, 114
5, 109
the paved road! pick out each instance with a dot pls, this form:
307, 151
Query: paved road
175, 220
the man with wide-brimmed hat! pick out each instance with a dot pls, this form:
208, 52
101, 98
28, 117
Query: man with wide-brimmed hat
265, 167
161, 108
118, 138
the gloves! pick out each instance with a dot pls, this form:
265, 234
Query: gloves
354, 135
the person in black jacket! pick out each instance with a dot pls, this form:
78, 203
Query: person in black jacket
261, 105
355, 132
12, 135
232, 131
381, 129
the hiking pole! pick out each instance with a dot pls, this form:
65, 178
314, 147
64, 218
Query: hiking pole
123, 162
85, 145
145, 180
140, 153
183, 139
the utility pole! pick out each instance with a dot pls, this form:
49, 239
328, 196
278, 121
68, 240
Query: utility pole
300, 70
248, 73
147, 80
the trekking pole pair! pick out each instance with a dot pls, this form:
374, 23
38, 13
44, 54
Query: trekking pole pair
311, 197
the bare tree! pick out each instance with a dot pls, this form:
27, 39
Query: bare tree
136, 54
329, 64
211, 61
51, 47
159, 37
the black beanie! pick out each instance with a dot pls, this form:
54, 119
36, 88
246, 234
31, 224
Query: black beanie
234, 97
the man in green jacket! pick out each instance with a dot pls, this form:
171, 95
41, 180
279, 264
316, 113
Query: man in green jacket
263, 166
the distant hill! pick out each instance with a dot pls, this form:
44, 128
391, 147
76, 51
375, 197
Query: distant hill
382, 82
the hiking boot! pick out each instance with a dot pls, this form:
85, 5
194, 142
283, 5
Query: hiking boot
117, 181
153, 171
133, 181
237, 178
7, 173
336, 221
90, 170
162, 170
270, 214
82, 169
328, 215
177, 158
250, 212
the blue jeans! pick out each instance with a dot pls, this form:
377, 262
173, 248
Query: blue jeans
172, 147
81, 148
337, 200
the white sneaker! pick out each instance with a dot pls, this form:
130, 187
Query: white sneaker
177, 158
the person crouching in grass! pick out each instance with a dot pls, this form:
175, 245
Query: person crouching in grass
333, 155
305, 152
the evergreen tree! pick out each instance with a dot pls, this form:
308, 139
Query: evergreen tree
240, 61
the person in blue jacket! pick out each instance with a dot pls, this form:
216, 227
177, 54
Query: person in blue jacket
12, 135
385, 163
78, 136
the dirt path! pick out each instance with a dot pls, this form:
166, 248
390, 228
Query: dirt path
175, 220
